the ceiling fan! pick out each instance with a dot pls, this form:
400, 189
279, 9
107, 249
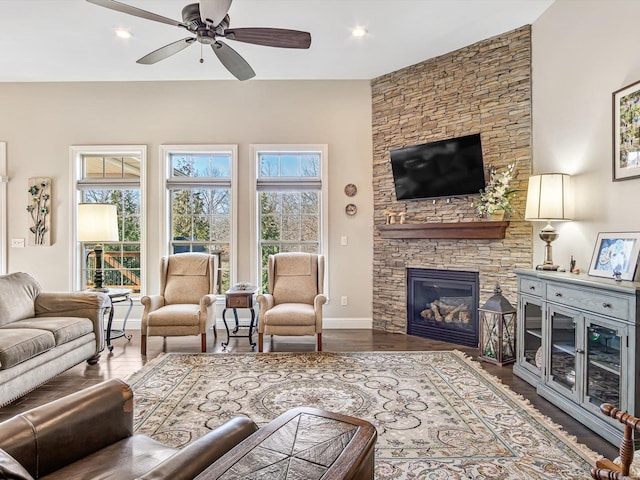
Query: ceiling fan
208, 20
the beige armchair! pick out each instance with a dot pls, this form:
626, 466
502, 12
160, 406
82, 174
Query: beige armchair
187, 285
293, 305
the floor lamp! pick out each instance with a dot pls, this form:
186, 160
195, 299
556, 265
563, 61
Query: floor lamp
98, 223
549, 199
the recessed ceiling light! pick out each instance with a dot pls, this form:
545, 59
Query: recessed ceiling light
122, 33
359, 32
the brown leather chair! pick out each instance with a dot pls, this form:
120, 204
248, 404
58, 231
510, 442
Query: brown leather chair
188, 282
605, 469
293, 305
89, 434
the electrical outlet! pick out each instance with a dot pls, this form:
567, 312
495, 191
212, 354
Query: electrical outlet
343, 300
17, 243
344, 240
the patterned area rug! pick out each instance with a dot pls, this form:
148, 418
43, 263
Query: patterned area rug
438, 414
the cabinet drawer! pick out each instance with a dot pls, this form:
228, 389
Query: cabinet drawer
590, 300
530, 286
239, 301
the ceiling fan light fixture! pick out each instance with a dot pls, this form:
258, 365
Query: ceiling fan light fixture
359, 32
123, 33
208, 19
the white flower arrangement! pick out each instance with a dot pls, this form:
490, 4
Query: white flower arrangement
497, 194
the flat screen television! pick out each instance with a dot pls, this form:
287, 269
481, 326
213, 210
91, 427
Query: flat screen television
446, 168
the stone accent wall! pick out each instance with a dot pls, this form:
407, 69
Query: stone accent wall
485, 88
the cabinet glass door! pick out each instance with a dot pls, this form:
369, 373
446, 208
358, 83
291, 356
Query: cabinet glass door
562, 357
604, 361
532, 334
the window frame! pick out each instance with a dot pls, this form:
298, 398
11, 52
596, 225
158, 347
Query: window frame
165, 154
76, 154
256, 150
3, 207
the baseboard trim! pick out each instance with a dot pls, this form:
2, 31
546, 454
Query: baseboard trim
328, 323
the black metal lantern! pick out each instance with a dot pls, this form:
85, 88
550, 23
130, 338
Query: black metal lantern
497, 330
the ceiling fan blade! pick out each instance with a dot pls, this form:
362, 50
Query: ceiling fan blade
166, 51
232, 61
270, 37
137, 12
214, 11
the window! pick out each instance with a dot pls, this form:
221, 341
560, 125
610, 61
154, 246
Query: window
291, 201
115, 175
3, 207
201, 203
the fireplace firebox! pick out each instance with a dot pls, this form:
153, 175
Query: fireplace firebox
443, 305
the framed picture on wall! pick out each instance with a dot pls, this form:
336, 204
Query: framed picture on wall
616, 255
626, 132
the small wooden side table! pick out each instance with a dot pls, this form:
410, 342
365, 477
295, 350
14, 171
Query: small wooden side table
239, 298
302, 443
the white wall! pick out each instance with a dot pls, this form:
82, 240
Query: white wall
583, 51
39, 121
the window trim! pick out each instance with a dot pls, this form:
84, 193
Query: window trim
3, 207
76, 153
165, 201
256, 149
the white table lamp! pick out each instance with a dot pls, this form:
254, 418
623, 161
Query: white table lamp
549, 198
98, 222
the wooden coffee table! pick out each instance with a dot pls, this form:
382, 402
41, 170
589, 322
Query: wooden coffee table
303, 443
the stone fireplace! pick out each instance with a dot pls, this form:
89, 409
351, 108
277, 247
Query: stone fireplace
486, 88
443, 305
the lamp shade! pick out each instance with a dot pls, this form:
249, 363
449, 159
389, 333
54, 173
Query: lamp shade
97, 222
549, 197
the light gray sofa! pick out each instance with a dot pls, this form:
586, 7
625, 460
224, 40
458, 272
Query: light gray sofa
43, 334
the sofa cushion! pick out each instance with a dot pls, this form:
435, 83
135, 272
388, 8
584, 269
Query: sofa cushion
290, 314
64, 329
20, 344
296, 278
11, 469
18, 292
175, 315
187, 279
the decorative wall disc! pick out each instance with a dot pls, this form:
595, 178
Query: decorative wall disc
350, 190
351, 209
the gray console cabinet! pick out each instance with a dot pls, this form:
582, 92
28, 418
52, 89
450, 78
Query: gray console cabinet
576, 343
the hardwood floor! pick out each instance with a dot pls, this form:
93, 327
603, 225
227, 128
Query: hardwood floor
126, 359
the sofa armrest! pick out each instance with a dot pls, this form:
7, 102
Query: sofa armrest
196, 457
152, 302
266, 301
47, 438
319, 301
208, 300
91, 305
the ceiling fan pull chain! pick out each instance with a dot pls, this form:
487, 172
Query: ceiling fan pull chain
201, 59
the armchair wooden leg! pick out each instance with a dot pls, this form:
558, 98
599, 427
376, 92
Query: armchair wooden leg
319, 342
260, 340
204, 342
143, 344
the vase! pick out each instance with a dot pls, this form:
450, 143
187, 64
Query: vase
497, 216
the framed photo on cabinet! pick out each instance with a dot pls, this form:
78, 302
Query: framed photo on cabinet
616, 255
626, 133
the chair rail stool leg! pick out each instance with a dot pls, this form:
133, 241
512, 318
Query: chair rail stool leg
143, 344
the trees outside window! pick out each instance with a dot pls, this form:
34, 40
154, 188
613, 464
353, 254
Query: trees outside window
200, 197
289, 192
114, 175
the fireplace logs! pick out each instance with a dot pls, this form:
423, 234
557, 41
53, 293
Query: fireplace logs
441, 311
